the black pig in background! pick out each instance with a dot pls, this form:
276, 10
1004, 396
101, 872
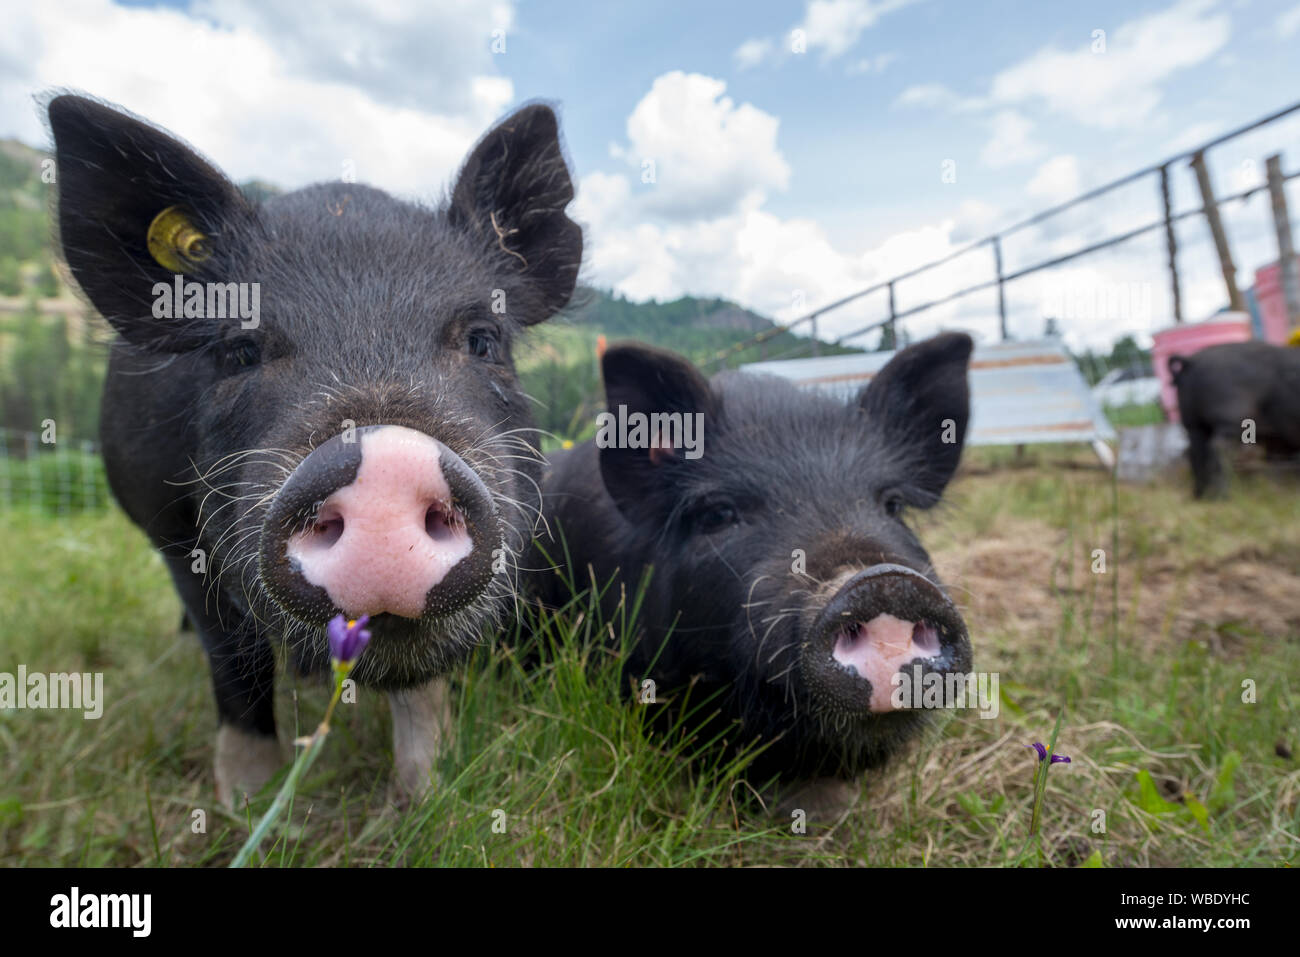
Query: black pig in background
1223, 388
784, 578
362, 445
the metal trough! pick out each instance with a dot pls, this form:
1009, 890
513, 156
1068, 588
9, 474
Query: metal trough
1021, 392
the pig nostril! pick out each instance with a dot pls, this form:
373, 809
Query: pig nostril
442, 523
326, 530
926, 637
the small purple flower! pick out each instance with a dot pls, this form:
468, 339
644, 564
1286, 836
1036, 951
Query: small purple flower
1042, 754
348, 638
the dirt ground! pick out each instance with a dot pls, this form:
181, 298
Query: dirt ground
1018, 581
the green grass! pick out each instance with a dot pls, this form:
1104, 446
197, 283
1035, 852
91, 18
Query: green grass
1148, 661
1146, 413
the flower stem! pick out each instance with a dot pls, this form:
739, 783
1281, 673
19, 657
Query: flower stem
1040, 791
300, 765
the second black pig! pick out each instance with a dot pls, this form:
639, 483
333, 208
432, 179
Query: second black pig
1235, 392
784, 574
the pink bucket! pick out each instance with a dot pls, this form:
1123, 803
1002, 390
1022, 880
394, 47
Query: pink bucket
1272, 304
1188, 338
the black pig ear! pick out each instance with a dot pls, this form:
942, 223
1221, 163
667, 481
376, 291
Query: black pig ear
644, 379
920, 401
512, 192
135, 206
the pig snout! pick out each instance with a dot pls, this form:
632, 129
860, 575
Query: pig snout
881, 622
384, 520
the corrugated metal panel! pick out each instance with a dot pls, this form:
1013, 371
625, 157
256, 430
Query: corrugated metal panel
1020, 391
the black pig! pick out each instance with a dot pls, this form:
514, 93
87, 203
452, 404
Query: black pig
785, 579
361, 445
1225, 388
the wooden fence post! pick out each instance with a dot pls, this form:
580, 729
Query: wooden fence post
1211, 208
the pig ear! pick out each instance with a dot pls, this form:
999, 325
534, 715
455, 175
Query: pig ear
511, 194
920, 401
116, 175
644, 379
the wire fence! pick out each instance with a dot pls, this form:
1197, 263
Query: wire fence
1163, 226
59, 478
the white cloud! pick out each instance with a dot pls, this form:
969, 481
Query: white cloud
975, 219
752, 52
710, 156
712, 234
263, 106
1056, 181
1012, 141
832, 27
1288, 23
835, 26
700, 227
405, 52
1121, 86
1193, 136
876, 64
938, 96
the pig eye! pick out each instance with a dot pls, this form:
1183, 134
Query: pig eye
483, 344
240, 354
716, 517
892, 502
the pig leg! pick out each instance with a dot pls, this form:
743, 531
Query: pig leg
242, 663
1206, 468
822, 800
421, 729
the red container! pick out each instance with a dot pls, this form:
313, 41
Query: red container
1188, 338
1272, 303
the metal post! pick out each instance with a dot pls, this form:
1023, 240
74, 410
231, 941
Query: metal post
892, 327
816, 346
1002, 300
89, 492
1211, 209
1285, 250
1171, 243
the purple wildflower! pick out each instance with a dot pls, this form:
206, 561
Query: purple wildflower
348, 638
1042, 754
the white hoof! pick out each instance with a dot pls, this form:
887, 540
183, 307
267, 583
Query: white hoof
421, 730
245, 762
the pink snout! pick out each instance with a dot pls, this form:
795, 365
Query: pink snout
879, 649
879, 626
392, 522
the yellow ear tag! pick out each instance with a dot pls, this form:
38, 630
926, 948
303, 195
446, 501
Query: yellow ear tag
175, 243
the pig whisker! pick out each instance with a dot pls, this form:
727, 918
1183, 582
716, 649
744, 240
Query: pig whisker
759, 650
259, 492
725, 562
233, 459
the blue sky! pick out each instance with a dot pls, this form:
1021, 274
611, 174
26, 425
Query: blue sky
798, 148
